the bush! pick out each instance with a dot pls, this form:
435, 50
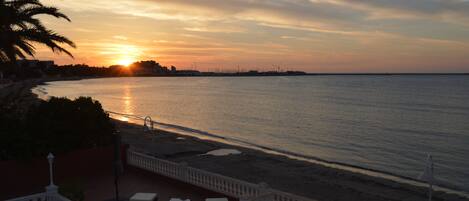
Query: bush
58, 125
12, 136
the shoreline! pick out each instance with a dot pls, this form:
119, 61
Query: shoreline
351, 185
202, 135
336, 184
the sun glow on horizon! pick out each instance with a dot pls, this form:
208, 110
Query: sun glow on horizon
125, 62
125, 55
325, 36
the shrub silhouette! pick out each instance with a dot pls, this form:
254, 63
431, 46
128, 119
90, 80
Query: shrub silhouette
58, 125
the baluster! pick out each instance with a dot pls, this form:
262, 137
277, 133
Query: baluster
234, 188
228, 186
211, 182
208, 181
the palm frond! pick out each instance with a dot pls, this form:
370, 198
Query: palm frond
32, 22
26, 48
38, 10
48, 38
20, 29
9, 52
3, 57
61, 39
19, 53
22, 3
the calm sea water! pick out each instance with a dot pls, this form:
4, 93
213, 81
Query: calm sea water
387, 123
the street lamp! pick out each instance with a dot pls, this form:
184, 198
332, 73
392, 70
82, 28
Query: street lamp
52, 188
117, 163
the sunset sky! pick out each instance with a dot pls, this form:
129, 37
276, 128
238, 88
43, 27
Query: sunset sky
308, 35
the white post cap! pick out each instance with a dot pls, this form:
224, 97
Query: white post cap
50, 157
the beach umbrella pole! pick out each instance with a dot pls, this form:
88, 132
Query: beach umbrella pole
430, 181
430, 191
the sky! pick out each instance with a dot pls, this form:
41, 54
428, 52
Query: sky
228, 35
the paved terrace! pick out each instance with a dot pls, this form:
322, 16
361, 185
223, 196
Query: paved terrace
134, 180
93, 169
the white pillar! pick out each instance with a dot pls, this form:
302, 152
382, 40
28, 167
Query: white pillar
51, 189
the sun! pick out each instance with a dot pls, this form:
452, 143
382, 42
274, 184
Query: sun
125, 61
124, 55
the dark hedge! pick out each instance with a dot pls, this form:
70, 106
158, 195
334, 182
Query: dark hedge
57, 125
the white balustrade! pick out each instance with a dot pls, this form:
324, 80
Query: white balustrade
35, 197
41, 197
208, 180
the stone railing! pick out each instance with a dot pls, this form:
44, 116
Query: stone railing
41, 197
34, 197
208, 180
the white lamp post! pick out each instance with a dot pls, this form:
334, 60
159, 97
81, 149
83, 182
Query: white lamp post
51, 189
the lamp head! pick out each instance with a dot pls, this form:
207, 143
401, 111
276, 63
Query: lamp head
50, 157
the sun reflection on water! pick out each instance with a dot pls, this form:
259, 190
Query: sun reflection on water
127, 102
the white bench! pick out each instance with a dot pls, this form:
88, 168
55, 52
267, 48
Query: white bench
144, 197
216, 199
179, 199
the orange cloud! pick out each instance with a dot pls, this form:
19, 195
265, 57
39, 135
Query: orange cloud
319, 35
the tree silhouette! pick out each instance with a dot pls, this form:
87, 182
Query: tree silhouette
19, 29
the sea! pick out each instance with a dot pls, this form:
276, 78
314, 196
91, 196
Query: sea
382, 123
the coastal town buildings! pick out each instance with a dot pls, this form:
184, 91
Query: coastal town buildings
34, 64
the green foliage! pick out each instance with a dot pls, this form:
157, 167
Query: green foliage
58, 125
12, 136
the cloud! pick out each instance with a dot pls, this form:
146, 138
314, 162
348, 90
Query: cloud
345, 17
118, 37
325, 16
423, 7
214, 29
452, 11
303, 32
294, 12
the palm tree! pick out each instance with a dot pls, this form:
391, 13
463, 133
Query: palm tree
19, 30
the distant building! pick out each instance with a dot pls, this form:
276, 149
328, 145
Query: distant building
188, 72
35, 64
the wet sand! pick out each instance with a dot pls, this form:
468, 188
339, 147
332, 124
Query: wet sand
279, 172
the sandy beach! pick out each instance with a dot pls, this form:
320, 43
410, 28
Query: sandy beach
279, 172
